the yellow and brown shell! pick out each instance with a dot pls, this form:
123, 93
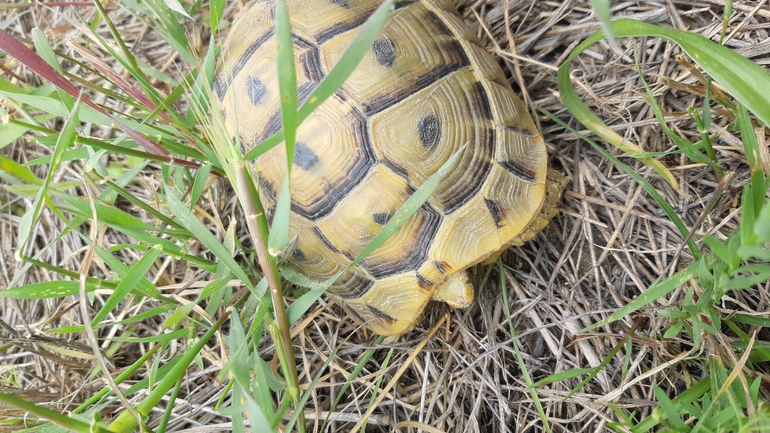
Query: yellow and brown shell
426, 88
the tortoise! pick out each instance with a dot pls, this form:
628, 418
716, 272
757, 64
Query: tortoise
426, 88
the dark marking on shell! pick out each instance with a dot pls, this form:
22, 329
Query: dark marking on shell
256, 90
381, 218
304, 91
519, 131
442, 267
503, 84
341, 95
429, 130
340, 28
403, 4
298, 255
241, 142
384, 51
498, 214
304, 157
518, 170
344, 3
424, 283
391, 97
269, 188
381, 314
352, 286
274, 124
464, 185
398, 169
441, 27
353, 313
220, 87
482, 108
270, 213
246, 56
452, 46
310, 62
417, 253
335, 192
320, 235
453, 59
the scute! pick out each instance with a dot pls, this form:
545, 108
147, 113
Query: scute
458, 109
332, 155
426, 89
417, 60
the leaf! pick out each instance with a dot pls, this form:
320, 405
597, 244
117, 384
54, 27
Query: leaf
738, 75
652, 294
18, 171
66, 139
201, 177
16, 49
43, 48
135, 274
175, 6
71, 423
287, 83
194, 225
562, 376
46, 290
216, 10
668, 406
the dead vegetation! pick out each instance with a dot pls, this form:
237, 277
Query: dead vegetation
610, 243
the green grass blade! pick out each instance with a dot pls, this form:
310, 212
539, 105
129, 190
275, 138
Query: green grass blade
216, 11
175, 6
603, 10
591, 121
201, 177
650, 295
259, 407
127, 59
106, 214
688, 148
410, 206
66, 422
125, 423
66, 139
171, 29
127, 284
287, 83
44, 50
196, 227
669, 408
45, 290
738, 75
160, 338
19, 171
564, 375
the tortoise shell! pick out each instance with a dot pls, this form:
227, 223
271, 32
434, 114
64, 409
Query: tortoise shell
426, 88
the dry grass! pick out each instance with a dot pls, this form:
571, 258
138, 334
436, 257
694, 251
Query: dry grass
608, 245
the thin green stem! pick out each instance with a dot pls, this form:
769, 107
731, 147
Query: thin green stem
256, 221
